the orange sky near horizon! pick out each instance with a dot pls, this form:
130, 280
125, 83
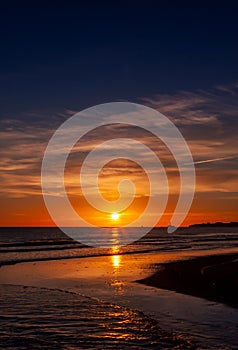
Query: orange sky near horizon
30, 211
212, 141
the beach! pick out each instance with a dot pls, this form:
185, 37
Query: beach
184, 320
161, 298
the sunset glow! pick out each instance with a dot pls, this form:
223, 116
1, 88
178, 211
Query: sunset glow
216, 176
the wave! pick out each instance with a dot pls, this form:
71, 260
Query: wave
59, 319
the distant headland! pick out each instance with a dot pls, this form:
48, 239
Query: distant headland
218, 223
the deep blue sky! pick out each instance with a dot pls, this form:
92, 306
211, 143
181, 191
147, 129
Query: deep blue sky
78, 54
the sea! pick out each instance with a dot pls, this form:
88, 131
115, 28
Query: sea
23, 244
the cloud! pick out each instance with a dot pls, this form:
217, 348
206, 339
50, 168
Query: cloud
207, 119
214, 160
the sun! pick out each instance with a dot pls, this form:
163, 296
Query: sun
115, 216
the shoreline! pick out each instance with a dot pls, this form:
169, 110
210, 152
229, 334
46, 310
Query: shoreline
212, 277
85, 252
112, 279
54, 318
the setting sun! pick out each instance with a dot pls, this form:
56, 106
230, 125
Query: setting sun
115, 216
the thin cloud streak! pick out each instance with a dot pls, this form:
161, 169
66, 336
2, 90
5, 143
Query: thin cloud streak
213, 160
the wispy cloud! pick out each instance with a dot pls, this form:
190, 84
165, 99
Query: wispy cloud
207, 119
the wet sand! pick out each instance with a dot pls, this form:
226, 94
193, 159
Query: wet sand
112, 279
39, 318
212, 277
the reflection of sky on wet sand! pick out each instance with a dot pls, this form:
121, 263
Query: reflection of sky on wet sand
116, 257
116, 261
110, 278
86, 322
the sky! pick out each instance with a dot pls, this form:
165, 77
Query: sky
58, 58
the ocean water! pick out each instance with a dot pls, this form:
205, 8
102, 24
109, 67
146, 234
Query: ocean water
29, 244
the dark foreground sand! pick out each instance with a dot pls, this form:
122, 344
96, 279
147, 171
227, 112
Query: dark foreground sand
212, 277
